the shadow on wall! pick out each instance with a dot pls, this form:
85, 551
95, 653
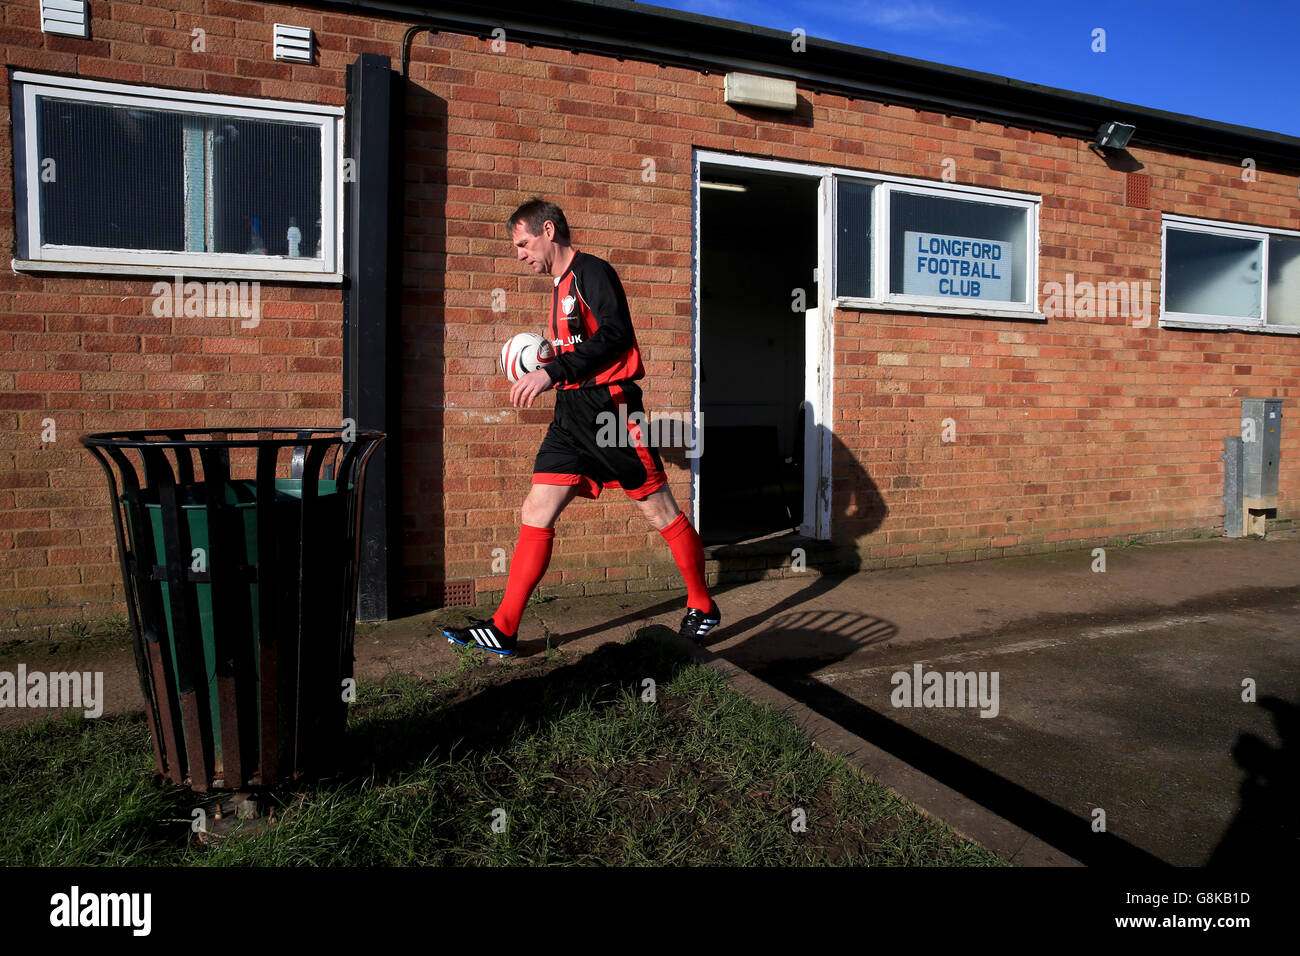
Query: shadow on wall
857, 506
425, 233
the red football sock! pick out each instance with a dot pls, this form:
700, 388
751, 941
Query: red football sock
532, 555
688, 552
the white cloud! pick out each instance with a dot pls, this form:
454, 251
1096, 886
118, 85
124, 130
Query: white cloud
907, 16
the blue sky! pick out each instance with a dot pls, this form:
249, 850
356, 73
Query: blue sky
1235, 61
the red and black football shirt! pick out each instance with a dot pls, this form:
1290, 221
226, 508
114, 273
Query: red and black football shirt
591, 327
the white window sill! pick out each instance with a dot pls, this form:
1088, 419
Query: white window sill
1229, 327
958, 311
169, 272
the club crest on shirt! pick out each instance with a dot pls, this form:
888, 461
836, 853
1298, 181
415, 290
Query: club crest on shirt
567, 304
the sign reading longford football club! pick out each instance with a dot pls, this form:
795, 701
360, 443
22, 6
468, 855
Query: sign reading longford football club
954, 265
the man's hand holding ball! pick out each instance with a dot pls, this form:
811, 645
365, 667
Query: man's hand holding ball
525, 391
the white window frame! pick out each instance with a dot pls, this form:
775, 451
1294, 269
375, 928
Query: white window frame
1199, 320
38, 257
884, 300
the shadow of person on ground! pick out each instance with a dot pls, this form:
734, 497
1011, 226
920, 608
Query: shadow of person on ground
1267, 820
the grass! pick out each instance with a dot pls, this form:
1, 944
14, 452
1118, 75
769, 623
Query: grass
573, 755
1122, 543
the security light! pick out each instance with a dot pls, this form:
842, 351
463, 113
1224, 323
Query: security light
1113, 135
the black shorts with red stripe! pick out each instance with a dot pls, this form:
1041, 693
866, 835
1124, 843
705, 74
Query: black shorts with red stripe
597, 441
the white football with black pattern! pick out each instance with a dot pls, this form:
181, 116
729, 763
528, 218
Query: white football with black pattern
526, 352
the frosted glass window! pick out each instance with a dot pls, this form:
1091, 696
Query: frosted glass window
147, 181
1283, 280
128, 178
1213, 274
853, 239
111, 176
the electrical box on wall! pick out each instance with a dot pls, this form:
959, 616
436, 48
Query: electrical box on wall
1261, 454
1261, 420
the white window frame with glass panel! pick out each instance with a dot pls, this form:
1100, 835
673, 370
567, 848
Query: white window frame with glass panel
964, 259
1256, 289
202, 115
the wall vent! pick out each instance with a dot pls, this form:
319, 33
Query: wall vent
66, 17
293, 43
454, 594
1137, 191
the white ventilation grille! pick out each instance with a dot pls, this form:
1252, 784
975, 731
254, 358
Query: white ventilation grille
67, 17
293, 43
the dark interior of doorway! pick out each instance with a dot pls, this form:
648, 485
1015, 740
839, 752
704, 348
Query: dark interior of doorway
758, 248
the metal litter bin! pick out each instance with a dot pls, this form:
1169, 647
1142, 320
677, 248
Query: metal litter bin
239, 550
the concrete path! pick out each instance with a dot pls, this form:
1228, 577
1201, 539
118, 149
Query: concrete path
1119, 693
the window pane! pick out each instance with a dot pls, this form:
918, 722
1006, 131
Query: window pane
115, 180
1209, 274
853, 242
265, 183
958, 248
1283, 281
126, 178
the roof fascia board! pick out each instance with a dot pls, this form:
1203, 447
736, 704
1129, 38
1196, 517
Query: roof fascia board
659, 35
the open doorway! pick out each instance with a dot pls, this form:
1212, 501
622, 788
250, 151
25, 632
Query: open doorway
758, 259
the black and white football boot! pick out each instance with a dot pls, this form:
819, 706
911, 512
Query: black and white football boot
484, 634
696, 624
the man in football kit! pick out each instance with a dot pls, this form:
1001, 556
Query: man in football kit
594, 370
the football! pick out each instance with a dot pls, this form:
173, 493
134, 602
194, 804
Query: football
526, 352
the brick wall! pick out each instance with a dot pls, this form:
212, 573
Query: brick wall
1073, 432
1067, 433
88, 351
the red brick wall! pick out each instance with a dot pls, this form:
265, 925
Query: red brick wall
1069, 432
88, 352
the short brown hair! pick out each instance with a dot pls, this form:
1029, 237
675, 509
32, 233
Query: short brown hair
537, 211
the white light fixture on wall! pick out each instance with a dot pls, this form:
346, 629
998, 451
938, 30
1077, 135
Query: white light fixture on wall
293, 43
746, 89
66, 17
